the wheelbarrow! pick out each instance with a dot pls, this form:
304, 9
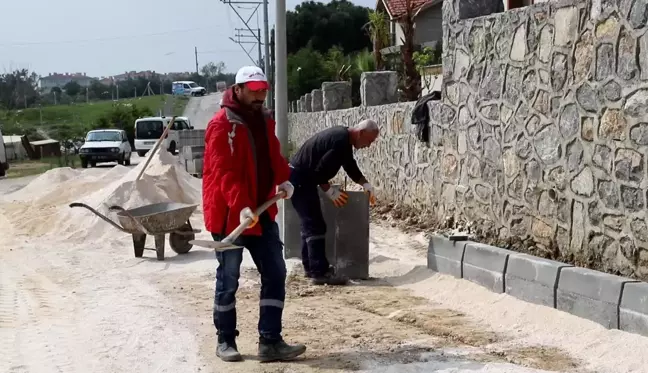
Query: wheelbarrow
156, 220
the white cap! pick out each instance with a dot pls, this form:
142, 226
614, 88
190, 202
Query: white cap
250, 74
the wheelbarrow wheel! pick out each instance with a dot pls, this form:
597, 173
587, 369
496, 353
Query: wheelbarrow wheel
180, 242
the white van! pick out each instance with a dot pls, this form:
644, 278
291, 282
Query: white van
149, 130
187, 88
4, 164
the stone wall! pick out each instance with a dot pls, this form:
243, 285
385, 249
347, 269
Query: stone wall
542, 131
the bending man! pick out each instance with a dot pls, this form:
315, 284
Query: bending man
242, 168
317, 161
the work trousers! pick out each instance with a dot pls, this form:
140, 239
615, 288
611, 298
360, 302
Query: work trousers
306, 202
267, 252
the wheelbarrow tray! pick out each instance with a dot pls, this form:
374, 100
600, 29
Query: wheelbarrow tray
158, 218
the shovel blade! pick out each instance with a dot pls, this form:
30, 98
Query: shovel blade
216, 245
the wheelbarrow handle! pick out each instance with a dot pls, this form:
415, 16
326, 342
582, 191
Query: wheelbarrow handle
102, 216
243, 226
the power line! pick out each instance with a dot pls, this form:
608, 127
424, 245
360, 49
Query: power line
101, 39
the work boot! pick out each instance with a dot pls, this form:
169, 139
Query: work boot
329, 278
278, 350
227, 351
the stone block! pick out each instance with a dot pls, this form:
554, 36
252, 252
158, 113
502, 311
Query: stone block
316, 100
194, 166
308, 101
445, 256
590, 294
633, 310
476, 8
533, 279
299, 106
378, 88
289, 229
347, 234
336, 95
302, 103
192, 152
486, 265
294, 106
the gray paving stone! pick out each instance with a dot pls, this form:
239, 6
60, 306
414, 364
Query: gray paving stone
347, 234
445, 256
590, 294
533, 279
633, 311
486, 265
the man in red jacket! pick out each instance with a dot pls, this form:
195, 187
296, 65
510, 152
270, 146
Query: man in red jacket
243, 167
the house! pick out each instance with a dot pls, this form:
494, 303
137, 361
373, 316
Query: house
428, 20
47, 83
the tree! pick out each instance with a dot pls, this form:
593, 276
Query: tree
72, 88
412, 78
378, 28
306, 71
18, 89
211, 70
323, 26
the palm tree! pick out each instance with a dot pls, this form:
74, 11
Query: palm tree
412, 83
378, 30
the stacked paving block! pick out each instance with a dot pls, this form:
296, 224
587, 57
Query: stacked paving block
347, 234
192, 159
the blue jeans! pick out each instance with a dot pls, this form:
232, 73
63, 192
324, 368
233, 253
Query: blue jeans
267, 252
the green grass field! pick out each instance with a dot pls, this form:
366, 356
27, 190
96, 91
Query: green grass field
81, 116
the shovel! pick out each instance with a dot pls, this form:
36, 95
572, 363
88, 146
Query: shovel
228, 242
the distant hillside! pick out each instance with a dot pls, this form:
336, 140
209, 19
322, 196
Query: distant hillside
77, 118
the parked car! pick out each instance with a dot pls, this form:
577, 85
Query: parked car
4, 164
109, 145
149, 130
187, 88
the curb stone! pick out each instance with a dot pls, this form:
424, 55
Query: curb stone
486, 265
612, 301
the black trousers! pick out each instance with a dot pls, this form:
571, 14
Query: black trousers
306, 202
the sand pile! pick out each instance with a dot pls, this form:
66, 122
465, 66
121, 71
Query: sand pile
42, 207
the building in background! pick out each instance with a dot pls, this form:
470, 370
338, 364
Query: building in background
47, 83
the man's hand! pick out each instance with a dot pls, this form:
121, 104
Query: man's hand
246, 214
339, 197
287, 187
369, 190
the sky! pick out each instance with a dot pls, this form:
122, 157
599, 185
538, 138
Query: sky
109, 37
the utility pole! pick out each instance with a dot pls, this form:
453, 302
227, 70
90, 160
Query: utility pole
243, 37
281, 76
266, 38
87, 95
270, 70
196, 54
265, 65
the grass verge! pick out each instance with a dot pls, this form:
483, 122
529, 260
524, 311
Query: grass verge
79, 116
39, 166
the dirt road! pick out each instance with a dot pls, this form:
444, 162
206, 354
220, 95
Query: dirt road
71, 305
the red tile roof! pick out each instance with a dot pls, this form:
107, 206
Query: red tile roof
398, 8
